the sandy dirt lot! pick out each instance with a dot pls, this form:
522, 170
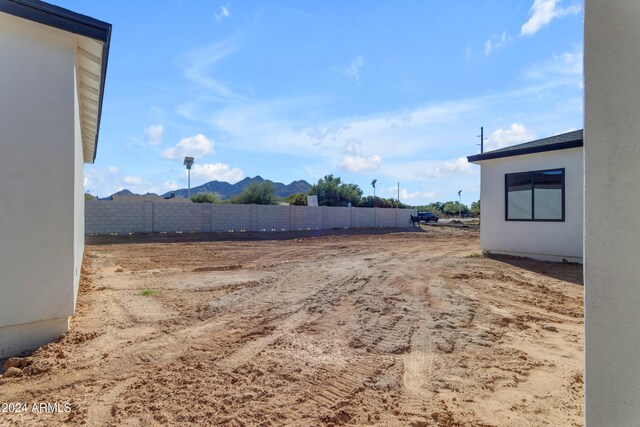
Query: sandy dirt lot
409, 328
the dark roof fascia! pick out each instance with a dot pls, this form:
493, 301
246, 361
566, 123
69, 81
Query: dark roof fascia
57, 17
527, 150
66, 20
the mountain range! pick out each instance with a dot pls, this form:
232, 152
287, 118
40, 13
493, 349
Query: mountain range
226, 190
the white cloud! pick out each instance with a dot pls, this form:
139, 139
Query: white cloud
353, 149
332, 132
516, 134
224, 13
495, 43
429, 194
353, 70
566, 64
113, 170
87, 183
154, 134
448, 168
194, 146
392, 135
133, 180
543, 12
217, 171
360, 164
199, 62
169, 185
404, 194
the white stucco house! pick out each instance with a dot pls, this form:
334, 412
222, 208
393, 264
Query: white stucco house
532, 198
52, 74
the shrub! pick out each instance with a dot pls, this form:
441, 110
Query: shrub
260, 194
299, 199
205, 198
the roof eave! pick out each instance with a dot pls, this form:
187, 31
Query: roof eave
103, 72
529, 150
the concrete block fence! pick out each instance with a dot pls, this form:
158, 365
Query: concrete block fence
111, 216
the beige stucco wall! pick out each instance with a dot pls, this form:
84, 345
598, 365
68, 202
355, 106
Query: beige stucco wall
612, 206
551, 241
41, 229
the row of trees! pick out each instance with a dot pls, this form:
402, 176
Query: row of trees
260, 194
451, 208
331, 191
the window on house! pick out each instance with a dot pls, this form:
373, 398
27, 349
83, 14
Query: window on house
535, 196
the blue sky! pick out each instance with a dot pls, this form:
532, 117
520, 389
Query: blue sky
393, 91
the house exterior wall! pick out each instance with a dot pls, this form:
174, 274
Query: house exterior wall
78, 191
612, 204
551, 241
39, 182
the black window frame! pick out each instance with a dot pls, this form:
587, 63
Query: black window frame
533, 191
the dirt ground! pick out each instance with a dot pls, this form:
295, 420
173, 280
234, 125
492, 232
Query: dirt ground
411, 328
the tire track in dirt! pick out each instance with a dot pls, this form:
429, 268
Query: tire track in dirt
362, 330
298, 314
418, 371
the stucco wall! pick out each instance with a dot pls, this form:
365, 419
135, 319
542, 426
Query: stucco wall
38, 178
542, 240
78, 192
612, 204
110, 216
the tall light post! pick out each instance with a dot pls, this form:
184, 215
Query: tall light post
188, 161
373, 184
460, 204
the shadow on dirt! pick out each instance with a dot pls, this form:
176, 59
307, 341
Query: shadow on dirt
240, 236
567, 271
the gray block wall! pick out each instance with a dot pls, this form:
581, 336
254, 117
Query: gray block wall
306, 217
122, 217
231, 217
172, 217
364, 217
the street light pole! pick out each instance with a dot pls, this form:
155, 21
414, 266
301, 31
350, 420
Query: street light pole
188, 162
460, 204
373, 183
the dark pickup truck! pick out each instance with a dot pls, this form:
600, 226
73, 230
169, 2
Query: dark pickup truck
424, 217
427, 216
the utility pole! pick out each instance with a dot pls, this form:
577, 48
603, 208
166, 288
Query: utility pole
482, 139
460, 204
398, 192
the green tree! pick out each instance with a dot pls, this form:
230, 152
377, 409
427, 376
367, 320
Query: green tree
205, 197
331, 191
349, 193
379, 202
475, 208
261, 194
454, 208
88, 196
299, 199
